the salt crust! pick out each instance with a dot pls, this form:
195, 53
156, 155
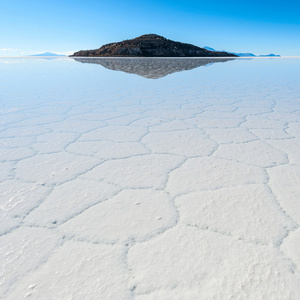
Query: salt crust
70, 275
234, 135
132, 215
7, 154
53, 168
255, 153
212, 173
18, 199
290, 147
69, 199
236, 211
291, 249
204, 261
54, 142
191, 142
108, 149
115, 133
22, 251
127, 188
145, 171
5, 170
285, 184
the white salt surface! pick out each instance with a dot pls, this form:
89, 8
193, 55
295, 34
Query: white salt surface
116, 186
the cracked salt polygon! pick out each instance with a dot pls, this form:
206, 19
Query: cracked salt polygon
150, 122
5, 170
102, 115
168, 126
115, 133
232, 135
201, 122
190, 142
18, 199
216, 114
108, 149
14, 154
263, 122
24, 131
145, 171
120, 219
124, 120
54, 142
212, 173
53, 168
22, 251
208, 265
287, 117
41, 120
220, 108
246, 212
169, 113
77, 270
290, 247
267, 134
75, 126
16, 142
294, 129
290, 147
248, 110
255, 153
285, 184
69, 199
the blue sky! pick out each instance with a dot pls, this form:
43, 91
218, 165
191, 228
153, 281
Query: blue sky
260, 27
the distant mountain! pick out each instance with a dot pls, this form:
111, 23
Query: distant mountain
47, 54
151, 45
238, 54
209, 48
244, 54
269, 55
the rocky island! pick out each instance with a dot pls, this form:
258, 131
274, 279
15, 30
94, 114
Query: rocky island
151, 45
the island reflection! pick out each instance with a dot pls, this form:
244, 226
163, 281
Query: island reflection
152, 68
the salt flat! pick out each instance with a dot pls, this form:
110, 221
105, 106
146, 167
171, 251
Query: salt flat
148, 182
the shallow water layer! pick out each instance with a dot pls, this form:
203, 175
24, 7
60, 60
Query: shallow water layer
149, 178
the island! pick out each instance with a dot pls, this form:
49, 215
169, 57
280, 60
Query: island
150, 45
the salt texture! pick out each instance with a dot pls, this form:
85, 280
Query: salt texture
150, 183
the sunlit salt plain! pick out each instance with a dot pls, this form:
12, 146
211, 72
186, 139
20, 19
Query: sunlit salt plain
148, 182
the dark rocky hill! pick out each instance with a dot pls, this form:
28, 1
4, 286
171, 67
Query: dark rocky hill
151, 45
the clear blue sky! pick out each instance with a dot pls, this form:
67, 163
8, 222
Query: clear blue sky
260, 27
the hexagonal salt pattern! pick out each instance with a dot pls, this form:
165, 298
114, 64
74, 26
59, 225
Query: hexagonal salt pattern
189, 262
78, 271
115, 186
131, 215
